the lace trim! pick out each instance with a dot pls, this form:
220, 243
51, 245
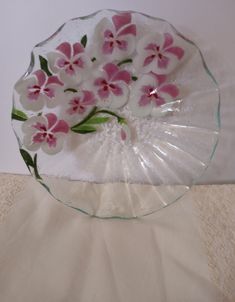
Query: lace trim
10, 185
215, 208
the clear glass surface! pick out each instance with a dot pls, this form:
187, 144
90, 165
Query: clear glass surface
117, 114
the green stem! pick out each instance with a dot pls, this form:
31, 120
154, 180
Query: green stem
37, 175
121, 120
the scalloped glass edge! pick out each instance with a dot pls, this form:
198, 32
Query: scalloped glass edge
207, 70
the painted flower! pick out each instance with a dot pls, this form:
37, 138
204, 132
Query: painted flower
112, 86
157, 53
125, 133
70, 61
150, 92
39, 90
45, 132
80, 103
116, 39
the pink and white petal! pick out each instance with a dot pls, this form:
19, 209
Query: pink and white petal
160, 78
51, 120
66, 49
118, 101
61, 126
77, 49
168, 40
54, 80
32, 105
121, 20
107, 48
122, 75
176, 51
41, 77
166, 96
110, 69
54, 149
103, 93
88, 98
170, 89
127, 30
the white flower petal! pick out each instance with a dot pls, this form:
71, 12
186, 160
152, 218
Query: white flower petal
52, 57
33, 105
59, 97
22, 85
158, 112
137, 110
104, 103
29, 144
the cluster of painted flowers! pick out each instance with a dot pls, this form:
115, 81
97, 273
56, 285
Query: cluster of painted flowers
82, 88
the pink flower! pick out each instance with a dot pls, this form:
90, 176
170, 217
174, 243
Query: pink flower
69, 61
116, 38
38, 90
150, 92
112, 86
157, 53
45, 132
80, 102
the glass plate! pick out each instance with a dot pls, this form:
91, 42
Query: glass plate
117, 114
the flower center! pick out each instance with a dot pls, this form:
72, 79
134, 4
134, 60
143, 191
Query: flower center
153, 93
107, 86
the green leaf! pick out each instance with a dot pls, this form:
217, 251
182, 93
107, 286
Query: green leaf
83, 129
27, 158
134, 78
125, 62
70, 89
18, 115
93, 59
35, 165
84, 41
98, 120
44, 65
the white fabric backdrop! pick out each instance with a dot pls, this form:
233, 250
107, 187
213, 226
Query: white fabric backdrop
51, 253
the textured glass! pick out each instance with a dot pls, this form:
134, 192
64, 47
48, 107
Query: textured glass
117, 114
